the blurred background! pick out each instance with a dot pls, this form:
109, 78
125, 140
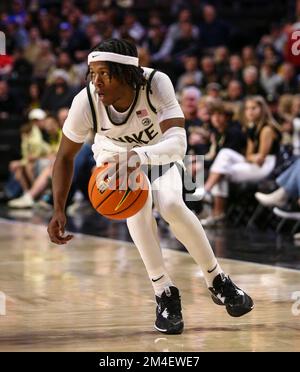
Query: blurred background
217, 54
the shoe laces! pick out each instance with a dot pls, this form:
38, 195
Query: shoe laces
172, 303
230, 291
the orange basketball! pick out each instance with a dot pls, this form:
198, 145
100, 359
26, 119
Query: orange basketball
117, 204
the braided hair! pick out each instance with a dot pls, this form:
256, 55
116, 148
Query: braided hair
131, 75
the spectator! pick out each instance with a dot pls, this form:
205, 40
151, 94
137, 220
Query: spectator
213, 31
9, 105
92, 33
154, 39
33, 47
48, 25
221, 57
174, 33
290, 81
186, 44
43, 167
296, 124
46, 59
18, 13
213, 90
234, 92
62, 115
58, 94
33, 96
235, 68
289, 187
251, 84
105, 25
53, 129
224, 133
76, 18
16, 35
197, 143
285, 107
269, 79
64, 63
262, 146
249, 57
71, 40
199, 131
192, 74
233, 97
132, 27
208, 69
21, 73
39, 185
270, 56
32, 148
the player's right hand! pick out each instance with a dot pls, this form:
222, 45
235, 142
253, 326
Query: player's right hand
56, 229
127, 164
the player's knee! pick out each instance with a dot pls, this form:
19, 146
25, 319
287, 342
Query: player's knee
172, 211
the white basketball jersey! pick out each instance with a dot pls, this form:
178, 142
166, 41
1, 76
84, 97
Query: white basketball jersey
139, 128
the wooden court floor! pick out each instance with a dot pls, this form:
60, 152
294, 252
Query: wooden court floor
94, 295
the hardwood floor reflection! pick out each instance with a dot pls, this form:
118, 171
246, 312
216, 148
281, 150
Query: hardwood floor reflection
94, 295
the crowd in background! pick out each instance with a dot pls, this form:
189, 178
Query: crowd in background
216, 83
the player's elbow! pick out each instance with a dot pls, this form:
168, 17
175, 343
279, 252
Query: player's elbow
177, 136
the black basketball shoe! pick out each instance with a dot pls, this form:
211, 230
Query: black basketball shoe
168, 312
226, 293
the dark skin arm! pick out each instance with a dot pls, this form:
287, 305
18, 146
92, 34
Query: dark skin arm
169, 123
61, 183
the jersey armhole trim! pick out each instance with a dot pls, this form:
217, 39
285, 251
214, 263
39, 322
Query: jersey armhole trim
149, 91
95, 125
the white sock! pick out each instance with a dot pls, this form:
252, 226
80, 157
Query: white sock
161, 282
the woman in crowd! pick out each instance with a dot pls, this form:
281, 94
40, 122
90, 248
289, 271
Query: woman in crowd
263, 135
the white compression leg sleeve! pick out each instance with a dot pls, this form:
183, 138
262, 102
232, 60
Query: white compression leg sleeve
143, 230
167, 194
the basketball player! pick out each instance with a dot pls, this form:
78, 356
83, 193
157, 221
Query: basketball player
120, 96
